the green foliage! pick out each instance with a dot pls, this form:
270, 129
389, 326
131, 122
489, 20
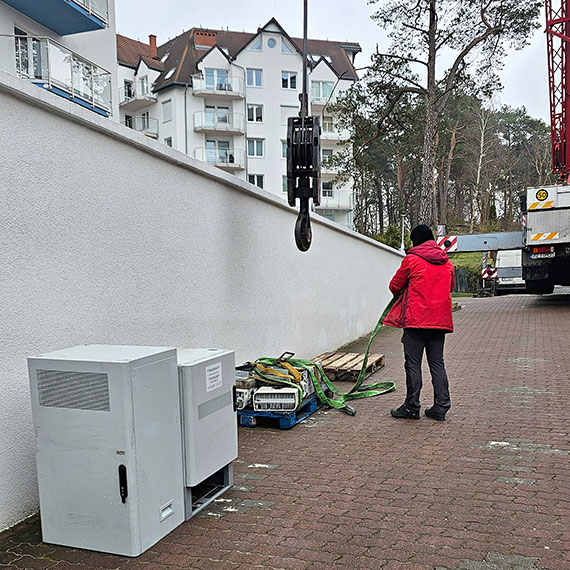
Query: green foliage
392, 236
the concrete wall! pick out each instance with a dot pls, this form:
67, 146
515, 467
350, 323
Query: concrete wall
109, 237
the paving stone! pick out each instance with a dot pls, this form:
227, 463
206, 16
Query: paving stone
488, 489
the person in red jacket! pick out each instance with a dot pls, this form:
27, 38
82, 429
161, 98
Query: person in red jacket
423, 286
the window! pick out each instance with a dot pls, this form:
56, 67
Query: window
327, 189
326, 154
256, 45
283, 149
272, 42
164, 57
167, 111
321, 90
129, 121
284, 183
288, 111
285, 47
168, 141
170, 73
129, 89
145, 120
216, 79
255, 147
218, 152
215, 115
328, 125
31, 57
144, 85
254, 77
256, 179
255, 113
289, 79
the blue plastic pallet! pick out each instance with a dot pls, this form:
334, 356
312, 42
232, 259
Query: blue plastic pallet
249, 418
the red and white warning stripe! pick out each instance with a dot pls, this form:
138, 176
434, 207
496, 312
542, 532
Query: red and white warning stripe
447, 243
489, 273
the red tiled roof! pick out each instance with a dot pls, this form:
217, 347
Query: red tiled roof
130, 52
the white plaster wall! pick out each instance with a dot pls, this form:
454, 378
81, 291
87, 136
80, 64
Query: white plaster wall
109, 237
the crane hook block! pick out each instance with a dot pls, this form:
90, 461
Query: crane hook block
303, 159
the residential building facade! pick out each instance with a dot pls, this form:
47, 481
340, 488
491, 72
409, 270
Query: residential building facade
224, 98
67, 47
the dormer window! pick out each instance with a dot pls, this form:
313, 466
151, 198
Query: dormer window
285, 47
256, 45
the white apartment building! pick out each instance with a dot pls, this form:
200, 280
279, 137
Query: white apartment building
224, 98
67, 47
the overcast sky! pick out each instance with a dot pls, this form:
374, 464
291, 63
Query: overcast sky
525, 77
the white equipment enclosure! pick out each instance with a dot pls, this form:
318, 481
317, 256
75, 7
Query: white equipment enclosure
207, 380
109, 443
129, 444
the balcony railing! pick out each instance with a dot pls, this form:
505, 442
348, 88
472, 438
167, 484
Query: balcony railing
319, 100
227, 86
136, 94
96, 7
224, 158
65, 17
146, 125
205, 121
329, 131
56, 68
342, 199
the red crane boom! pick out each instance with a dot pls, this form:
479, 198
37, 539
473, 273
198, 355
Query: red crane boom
558, 47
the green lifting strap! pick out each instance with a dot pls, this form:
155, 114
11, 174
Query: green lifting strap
357, 391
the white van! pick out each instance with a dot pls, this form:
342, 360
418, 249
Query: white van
509, 275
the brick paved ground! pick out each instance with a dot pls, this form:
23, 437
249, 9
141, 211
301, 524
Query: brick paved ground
489, 489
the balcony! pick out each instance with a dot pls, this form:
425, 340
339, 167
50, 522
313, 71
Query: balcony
65, 17
329, 131
57, 69
318, 101
146, 125
211, 122
230, 159
136, 95
232, 87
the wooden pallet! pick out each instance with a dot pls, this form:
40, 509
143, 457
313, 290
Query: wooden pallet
347, 365
285, 420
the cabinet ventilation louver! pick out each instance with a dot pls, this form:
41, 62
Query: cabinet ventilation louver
74, 390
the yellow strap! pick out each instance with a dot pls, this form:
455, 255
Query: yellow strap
295, 375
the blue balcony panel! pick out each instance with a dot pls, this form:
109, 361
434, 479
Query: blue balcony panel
64, 17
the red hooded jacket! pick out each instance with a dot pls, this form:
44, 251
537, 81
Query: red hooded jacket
424, 283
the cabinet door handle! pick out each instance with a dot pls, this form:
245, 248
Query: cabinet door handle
123, 488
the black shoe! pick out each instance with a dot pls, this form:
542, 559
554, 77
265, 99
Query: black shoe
437, 416
405, 413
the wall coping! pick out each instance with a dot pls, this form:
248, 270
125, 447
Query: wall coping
56, 105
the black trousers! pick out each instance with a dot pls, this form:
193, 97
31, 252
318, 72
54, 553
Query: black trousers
415, 341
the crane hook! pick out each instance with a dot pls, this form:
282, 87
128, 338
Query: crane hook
303, 232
